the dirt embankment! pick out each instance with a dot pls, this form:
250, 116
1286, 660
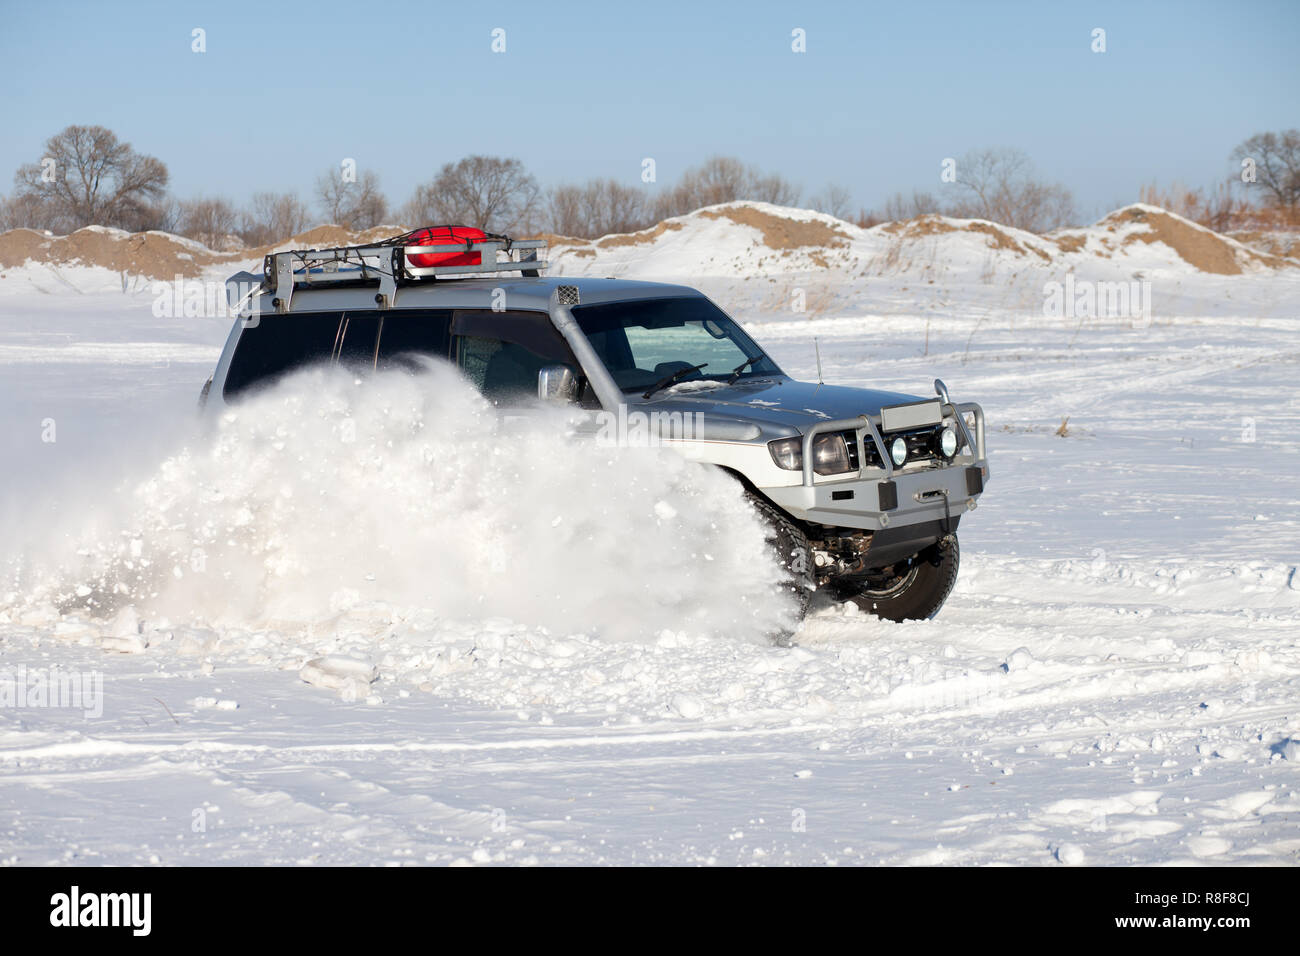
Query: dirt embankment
152, 254
1197, 246
932, 225
780, 233
156, 255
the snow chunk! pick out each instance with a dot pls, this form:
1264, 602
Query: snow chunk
347, 675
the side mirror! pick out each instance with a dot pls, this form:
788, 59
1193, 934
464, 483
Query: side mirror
557, 383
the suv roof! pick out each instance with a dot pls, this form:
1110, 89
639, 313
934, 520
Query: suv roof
520, 293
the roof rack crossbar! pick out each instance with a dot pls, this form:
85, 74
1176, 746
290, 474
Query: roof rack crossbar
387, 263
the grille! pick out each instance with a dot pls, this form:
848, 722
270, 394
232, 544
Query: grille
568, 294
921, 445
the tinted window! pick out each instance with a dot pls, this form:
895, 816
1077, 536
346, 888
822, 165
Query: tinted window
280, 344
407, 334
358, 334
277, 345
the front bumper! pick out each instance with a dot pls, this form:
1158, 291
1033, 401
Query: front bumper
870, 504
878, 498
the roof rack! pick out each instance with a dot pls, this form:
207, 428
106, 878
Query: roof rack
386, 261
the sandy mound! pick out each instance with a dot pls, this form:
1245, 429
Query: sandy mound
326, 237
780, 233
160, 255
932, 225
639, 238
156, 255
1199, 247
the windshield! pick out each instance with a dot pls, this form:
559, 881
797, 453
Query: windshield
645, 342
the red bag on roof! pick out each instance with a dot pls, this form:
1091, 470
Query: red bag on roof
444, 236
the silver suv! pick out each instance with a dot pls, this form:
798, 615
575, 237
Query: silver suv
863, 490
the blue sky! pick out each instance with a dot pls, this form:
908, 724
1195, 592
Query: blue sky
884, 92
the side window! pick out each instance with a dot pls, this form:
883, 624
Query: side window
278, 345
502, 352
281, 344
357, 337
406, 335
502, 371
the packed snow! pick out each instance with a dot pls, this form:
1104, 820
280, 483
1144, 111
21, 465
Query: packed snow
377, 622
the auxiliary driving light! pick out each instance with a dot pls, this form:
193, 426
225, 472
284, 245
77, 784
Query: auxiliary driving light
948, 442
898, 451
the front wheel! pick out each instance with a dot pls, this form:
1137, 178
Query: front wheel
789, 546
911, 590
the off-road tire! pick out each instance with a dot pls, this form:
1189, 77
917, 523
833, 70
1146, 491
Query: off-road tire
790, 546
915, 590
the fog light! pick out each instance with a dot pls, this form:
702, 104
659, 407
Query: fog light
898, 452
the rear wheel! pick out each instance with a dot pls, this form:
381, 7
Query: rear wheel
911, 590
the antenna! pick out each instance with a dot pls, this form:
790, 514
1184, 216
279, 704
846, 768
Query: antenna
818, 349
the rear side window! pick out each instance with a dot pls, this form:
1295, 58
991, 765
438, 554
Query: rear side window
408, 334
357, 336
277, 345
281, 344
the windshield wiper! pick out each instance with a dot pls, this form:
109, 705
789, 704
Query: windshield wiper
673, 379
735, 372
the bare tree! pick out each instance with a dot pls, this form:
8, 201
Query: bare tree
88, 176
273, 217
26, 211
724, 179
566, 211
351, 203
834, 200
774, 189
1000, 185
1277, 165
597, 208
489, 192
899, 206
210, 221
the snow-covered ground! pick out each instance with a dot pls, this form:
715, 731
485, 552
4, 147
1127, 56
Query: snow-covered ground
1115, 679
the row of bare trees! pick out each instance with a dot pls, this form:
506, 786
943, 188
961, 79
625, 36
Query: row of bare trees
88, 176
599, 207
1001, 185
995, 184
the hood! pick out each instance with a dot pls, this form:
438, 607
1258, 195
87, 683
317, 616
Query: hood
775, 401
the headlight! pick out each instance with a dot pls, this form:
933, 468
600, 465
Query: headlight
948, 442
898, 451
830, 454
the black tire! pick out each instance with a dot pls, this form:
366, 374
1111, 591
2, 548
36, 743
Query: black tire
911, 590
790, 546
